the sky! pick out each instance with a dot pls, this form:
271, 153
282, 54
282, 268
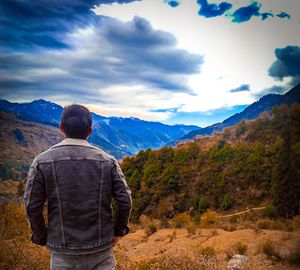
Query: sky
186, 61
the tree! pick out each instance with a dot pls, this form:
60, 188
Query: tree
20, 190
202, 204
226, 203
285, 188
19, 135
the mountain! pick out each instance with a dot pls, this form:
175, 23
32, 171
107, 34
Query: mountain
119, 136
37, 111
265, 103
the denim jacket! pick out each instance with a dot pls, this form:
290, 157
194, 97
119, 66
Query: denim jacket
78, 181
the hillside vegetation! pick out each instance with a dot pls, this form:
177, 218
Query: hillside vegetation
20, 142
250, 164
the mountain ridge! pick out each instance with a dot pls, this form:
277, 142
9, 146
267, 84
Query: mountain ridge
117, 135
265, 103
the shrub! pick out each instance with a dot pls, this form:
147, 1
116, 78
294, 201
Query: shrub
240, 128
144, 220
229, 253
150, 229
294, 257
233, 219
208, 252
296, 221
182, 220
5, 171
264, 224
282, 225
202, 204
210, 217
196, 219
13, 222
229, 227
226, 203
164, 222
191, 229
240, 248
270, 250
19, 136
20, 191
269, 212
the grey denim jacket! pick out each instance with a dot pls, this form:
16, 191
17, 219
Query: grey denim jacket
78, 181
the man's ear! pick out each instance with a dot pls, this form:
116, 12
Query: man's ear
90, 132
61, 128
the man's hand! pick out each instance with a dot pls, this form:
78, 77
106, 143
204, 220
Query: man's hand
117, 239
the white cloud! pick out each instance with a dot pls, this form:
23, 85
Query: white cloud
237, 53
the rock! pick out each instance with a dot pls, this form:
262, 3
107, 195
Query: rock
237, 262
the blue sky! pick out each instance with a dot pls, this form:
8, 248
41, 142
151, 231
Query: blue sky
193, 62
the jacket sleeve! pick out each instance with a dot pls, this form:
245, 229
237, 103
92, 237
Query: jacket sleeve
122, 196
34, 199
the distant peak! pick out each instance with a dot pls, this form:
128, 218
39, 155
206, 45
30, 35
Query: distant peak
134, 118
40, 101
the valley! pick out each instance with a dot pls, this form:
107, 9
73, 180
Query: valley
195, 206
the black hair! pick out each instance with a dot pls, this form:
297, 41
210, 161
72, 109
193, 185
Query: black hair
76, 121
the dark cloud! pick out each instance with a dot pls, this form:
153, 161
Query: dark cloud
212, 10
244, 14
116, 53
243, 87
137, 33
283, 15
266, 15
276, 89
173, 3
287, 63
28, 25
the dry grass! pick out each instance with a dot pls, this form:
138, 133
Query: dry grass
16, 250
240, 248
269, 248
175, 260
183, 248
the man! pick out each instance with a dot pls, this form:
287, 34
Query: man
78, 181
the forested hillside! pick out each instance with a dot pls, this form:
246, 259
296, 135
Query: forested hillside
250, 164
20, 142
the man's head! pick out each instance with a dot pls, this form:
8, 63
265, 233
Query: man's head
76, 122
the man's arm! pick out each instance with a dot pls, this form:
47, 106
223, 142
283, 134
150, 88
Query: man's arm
122, 195
34, 199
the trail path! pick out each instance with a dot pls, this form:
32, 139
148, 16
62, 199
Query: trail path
245, 211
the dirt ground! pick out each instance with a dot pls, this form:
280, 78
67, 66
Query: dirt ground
169, 241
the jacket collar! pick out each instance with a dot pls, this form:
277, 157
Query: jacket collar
72, 141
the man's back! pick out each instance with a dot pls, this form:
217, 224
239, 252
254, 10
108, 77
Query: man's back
78, 182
